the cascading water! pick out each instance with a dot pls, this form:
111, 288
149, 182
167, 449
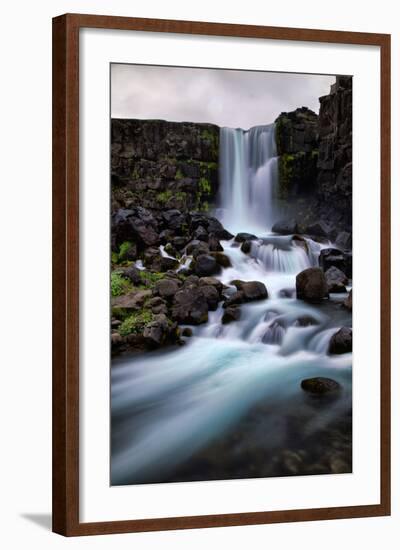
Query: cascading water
248, 176
213, 407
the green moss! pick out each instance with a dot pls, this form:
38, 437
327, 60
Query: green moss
179, 175
150, 278
164, 196
136, 322
204, 186
114, 257
119, 285
123, 250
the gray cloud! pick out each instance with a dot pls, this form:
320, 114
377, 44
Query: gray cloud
224, 97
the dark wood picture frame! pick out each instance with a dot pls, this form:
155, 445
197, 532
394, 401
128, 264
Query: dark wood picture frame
66, 273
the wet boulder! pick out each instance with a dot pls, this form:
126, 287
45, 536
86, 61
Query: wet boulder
254, 290
196, 247
234, 299
190, 306
200, 234
214, 244
241, 237
222, 259
341, 341
211, 295
348, 302
285, 227
231, 313
205, 265
311, 285
344, 240
332, 257
212, 281
188, 332
320, 385
246, 247
336, 280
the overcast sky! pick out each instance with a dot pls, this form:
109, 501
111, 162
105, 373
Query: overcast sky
224, 97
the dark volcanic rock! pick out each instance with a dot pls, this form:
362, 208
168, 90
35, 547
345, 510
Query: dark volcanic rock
137, 225
341, 341
211, 281
332, 257
246, 247
320, 385
190, 307
231, 313
241, 237
348, 302
158, 331
133, 274
196, 248
319, 229
214, 244
188, 332
285, 227
344, 240
222, 259
336, 280
234, 299
311, 285
167, 288
205, 265
212, 296
251, 290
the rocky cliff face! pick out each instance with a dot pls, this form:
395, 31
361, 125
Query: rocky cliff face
297, 147
334, 181
315, 158
159, 165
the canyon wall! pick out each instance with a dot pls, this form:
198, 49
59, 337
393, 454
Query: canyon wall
159, 165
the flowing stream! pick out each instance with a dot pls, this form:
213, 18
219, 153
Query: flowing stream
228, 404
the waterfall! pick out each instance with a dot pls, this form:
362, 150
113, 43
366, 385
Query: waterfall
248, 174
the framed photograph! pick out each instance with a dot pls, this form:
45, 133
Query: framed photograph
218, 191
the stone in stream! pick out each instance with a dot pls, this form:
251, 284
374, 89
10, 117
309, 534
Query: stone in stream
311, 285
285, 227
348, 302
222, 259
320, 385
246, 247
212, 296
344, 240
188, 332
336, 280
205, 265
337, 258
214, 244
241, 237
231, 313
251, 290
341, 341
212, 281
274, 334
190, 306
